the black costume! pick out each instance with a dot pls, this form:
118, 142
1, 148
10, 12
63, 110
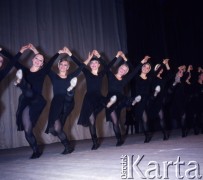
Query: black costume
115, 87
30, 107
61, 106
178, 102
93, 101
195, 109
143, 88
156, 105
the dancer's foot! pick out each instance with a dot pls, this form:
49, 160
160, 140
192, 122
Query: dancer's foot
112, 101
73, 83
36, 155
119, 142
68, 150
19, 76
95, 146
157, 90
136, 100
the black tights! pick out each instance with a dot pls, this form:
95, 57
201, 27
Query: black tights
92, 126
58, 131
116, 127
162, 120
28, 129
145, 123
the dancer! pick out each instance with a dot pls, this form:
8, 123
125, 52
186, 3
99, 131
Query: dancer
142, 87
116, 99
93, 100
155, 109
31, 105
178, 99
195, 112
63, 101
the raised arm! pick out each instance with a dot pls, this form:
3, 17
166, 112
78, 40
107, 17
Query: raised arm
166, 63
67, 51
136, 69
18, 55
52, 60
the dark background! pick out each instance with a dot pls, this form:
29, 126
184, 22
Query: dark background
165, 29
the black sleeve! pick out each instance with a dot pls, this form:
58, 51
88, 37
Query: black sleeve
17, 64
112, 62
132, 74
48, 65
77, 71
105, 67
76, 61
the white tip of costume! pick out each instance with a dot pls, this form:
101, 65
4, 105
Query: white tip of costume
157, 90
19, 76
136, 100
157, 67
73, 83
112, 101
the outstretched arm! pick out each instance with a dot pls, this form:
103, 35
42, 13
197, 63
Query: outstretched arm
165, 62
18, 55
67, 51
52, 60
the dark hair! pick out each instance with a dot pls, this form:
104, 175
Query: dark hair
63, 59
95, 59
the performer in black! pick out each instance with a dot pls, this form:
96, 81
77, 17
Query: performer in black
93, 100
63, 101
155, 108
179, 99
31, 105
117, 100
143, 88
196, 111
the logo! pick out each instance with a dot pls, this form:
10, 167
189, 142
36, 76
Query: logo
130, 169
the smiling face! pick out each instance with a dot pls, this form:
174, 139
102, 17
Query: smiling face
63, 65
146, 68
38, 61
94, 65
123, 70
1, 61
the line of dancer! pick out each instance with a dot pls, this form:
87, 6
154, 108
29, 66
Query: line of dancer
173, 96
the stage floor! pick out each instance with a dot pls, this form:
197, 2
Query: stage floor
178, 157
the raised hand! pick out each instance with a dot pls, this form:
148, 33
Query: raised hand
165, 61
23, 48
31, 47
190, 68
145, 60
119, 53
90, 55
124, 57
96, 53
67, 51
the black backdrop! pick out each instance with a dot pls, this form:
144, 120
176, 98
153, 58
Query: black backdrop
165, 28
